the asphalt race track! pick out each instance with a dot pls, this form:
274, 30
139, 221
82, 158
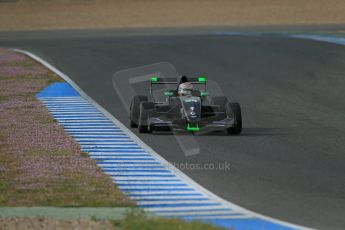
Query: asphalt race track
289, 162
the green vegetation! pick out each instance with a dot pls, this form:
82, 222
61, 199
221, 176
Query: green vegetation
137, 219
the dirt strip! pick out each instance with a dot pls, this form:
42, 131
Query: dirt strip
82, 14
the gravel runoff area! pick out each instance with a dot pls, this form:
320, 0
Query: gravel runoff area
42, 166
37, 223
132, 221
88, 14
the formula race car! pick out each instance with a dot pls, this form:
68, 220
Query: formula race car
184, 108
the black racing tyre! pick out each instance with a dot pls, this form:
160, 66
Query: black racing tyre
135, 110
235, 110
145, 108
221, 101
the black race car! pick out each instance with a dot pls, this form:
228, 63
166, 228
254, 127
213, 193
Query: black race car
195, 113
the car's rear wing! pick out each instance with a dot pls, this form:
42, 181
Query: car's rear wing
155, 80
166, 80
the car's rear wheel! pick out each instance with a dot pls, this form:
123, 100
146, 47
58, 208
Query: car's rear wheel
145, 108
135, 110
234, 110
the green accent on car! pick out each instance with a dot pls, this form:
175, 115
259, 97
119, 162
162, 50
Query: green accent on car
202, 79
191, 128
204, 94
154, 79
168, 93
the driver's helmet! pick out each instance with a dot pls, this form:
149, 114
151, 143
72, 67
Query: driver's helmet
185, 89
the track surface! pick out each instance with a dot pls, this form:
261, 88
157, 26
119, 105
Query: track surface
289, 163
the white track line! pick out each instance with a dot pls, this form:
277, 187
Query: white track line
196, 213
219, 217
93, 143
128, 165
164, 209
158, 193
170, 197
152, 178
151, 182
121, 157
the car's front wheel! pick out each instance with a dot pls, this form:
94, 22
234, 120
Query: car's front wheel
145, 108
135, 110
234, 110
